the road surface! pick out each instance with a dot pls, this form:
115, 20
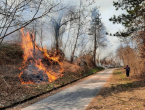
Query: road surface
76, 97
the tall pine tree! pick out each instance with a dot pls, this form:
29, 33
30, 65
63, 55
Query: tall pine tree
134, 20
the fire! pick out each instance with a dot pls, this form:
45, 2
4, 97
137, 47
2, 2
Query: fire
34, 69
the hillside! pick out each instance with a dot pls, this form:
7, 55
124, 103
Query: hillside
11, 89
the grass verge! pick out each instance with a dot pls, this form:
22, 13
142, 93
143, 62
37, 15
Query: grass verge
120, 93
13, 93
18, 93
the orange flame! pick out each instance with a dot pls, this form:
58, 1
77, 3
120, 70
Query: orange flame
30, 50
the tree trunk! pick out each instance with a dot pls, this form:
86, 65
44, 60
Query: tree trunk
73, 52
95, 44
41, 35
72, 55
57, 43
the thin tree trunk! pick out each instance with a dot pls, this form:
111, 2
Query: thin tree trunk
95, 42
79, 26
41, 35
72, 56
73, 52
57, 43
67, 38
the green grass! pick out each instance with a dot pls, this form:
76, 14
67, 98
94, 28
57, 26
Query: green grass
122, 76
100, 68
92, 71
117, 71
121, 79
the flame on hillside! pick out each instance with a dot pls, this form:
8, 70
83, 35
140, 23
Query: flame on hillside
38, 65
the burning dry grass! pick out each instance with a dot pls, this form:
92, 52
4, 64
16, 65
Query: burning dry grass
120, 93
30, 71
11, 89
38, 65
18, 92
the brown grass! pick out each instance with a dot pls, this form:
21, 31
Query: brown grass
18, 92
10, 54
120, 93
11, 90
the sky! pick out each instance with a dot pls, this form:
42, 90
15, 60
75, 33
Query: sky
107, 11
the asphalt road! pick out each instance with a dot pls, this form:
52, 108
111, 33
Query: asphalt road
76, 97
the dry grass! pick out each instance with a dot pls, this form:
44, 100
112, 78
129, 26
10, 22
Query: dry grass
18, 92
10, 54
120, 93
11, 90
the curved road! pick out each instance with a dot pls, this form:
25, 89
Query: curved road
76, 97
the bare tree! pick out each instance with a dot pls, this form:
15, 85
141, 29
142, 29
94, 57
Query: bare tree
80, 24
97, 30
16, 14
59, 24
